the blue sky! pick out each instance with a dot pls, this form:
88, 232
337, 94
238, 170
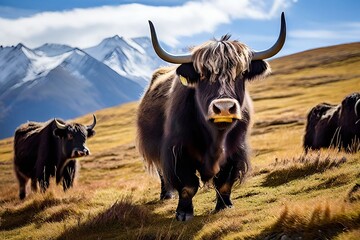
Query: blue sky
84, 23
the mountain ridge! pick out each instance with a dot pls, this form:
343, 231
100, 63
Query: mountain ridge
56, 80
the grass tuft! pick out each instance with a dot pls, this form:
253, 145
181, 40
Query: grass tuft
27, 211
123, 215
300, 167
354, 193
122, 211
324, 221
38, 209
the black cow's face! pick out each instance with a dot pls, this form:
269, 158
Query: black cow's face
73, 138
220, 97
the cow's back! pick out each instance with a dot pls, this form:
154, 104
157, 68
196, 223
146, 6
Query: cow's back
26, 134
26, 146
151, 115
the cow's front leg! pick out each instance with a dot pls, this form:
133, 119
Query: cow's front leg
223, 184
22, 183
234, 170
69, 174
165, 193
180, 173
185, 208
34, 184
44, 180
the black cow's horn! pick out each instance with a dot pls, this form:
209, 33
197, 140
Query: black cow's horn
357, 108
59, 124
164, 55
93, 124
186, 58
277, 46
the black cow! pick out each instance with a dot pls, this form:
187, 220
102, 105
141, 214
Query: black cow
334, 125
194, 118
48, 149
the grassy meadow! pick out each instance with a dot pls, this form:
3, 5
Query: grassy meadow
288, 195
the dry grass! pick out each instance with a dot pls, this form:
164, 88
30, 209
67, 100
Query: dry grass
288, 170
289, 195
122, 214
322, 221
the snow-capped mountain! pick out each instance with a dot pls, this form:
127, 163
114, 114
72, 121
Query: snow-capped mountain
132, 58
51, 50
13, 66
60, 81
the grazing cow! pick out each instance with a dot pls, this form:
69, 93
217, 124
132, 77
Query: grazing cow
194, 118
334, 125
48, 149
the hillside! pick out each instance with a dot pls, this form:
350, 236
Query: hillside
289, 195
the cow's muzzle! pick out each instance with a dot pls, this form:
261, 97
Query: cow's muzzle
224, 110
80, 153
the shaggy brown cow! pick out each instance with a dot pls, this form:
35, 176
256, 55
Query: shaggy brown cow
334, 125
47, 149
194, 118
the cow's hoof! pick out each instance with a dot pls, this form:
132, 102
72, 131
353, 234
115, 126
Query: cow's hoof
182, 216
222, 207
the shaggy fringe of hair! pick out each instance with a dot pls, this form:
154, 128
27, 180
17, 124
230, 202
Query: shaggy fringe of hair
214, 56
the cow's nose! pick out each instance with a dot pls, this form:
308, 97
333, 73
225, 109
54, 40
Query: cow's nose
224, 107
224, 110
80, 152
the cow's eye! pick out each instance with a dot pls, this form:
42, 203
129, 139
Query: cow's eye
70, 136
183, 80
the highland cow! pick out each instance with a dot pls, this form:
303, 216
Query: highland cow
335, 126
44, 150
194, 118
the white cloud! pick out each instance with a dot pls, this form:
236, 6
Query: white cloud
86, 27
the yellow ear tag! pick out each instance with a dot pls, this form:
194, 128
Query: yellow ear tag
183, 80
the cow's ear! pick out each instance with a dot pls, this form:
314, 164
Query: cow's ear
90, 133
60, 133
187, 74
258, 69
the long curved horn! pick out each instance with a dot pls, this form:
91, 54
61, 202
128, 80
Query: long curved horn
59, 124
93, 124
357, 108
164, 55
277, 46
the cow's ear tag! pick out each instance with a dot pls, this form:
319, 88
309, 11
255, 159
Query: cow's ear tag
183, 80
